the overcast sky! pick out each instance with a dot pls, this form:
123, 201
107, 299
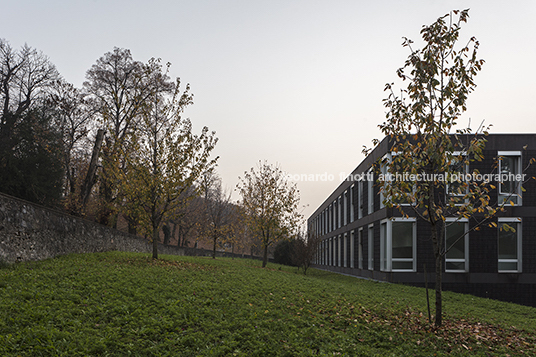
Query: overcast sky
297, 83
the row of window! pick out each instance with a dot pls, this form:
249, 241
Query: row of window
341, 211
398, 246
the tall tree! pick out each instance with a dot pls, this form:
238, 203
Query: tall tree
29, 141
166, 159
421, 125
75, 119
118, 88
270, 205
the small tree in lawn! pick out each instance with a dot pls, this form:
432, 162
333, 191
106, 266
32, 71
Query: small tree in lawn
420, 123
305, 249
270, 205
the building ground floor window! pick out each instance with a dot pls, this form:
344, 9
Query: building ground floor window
398, 244
509, 245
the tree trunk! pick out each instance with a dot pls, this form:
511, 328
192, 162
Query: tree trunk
265, 256
438, 276
90, 177
214, 248
155, 243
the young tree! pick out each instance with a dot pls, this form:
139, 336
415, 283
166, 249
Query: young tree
304, 250
270, 205
166, 157
421, 127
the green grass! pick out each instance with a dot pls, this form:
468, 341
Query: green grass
122, 304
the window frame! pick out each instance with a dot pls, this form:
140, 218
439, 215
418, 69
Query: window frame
519, 240
370, 194
465, 260
386, 245
518, 194
370, 246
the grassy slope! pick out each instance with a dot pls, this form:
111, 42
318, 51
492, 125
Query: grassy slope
124, 304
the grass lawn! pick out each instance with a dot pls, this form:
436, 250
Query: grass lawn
123, 304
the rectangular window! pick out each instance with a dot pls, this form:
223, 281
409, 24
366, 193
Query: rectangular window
352, 247
384, 170
384, 257
352, 191
345, 249
457, 245
509, 245
336, 204
370, 237
339, 251
370, 193
510, 177
345, 208
330, 218
398, 244
399, 189
360, 199
324, 222
360, 248
455, 183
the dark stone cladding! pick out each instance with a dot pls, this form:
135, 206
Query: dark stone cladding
482, 278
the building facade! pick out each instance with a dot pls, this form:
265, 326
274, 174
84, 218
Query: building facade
361, 237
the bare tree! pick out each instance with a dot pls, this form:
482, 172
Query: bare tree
75, 119
25, 78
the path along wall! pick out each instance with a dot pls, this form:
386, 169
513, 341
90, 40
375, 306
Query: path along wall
32, 232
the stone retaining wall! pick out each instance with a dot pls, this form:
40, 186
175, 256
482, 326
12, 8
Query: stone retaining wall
32, 232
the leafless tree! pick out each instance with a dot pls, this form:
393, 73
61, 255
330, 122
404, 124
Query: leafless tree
26, 76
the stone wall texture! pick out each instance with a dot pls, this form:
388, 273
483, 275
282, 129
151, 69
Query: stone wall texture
32, 232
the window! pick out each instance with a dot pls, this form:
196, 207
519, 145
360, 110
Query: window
457, 245
370, 237
510, 177
339, 251
339, 212
352, 247
509, 245
370, 192
399, 188
330, 218
384, 258
456, 189
345, 249
360, 202
360, 248
398, 245
345, 208
384, 170
352, 191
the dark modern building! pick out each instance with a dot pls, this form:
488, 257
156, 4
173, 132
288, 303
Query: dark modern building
361, 237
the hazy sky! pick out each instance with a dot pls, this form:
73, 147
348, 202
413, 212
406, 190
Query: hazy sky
297, 83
